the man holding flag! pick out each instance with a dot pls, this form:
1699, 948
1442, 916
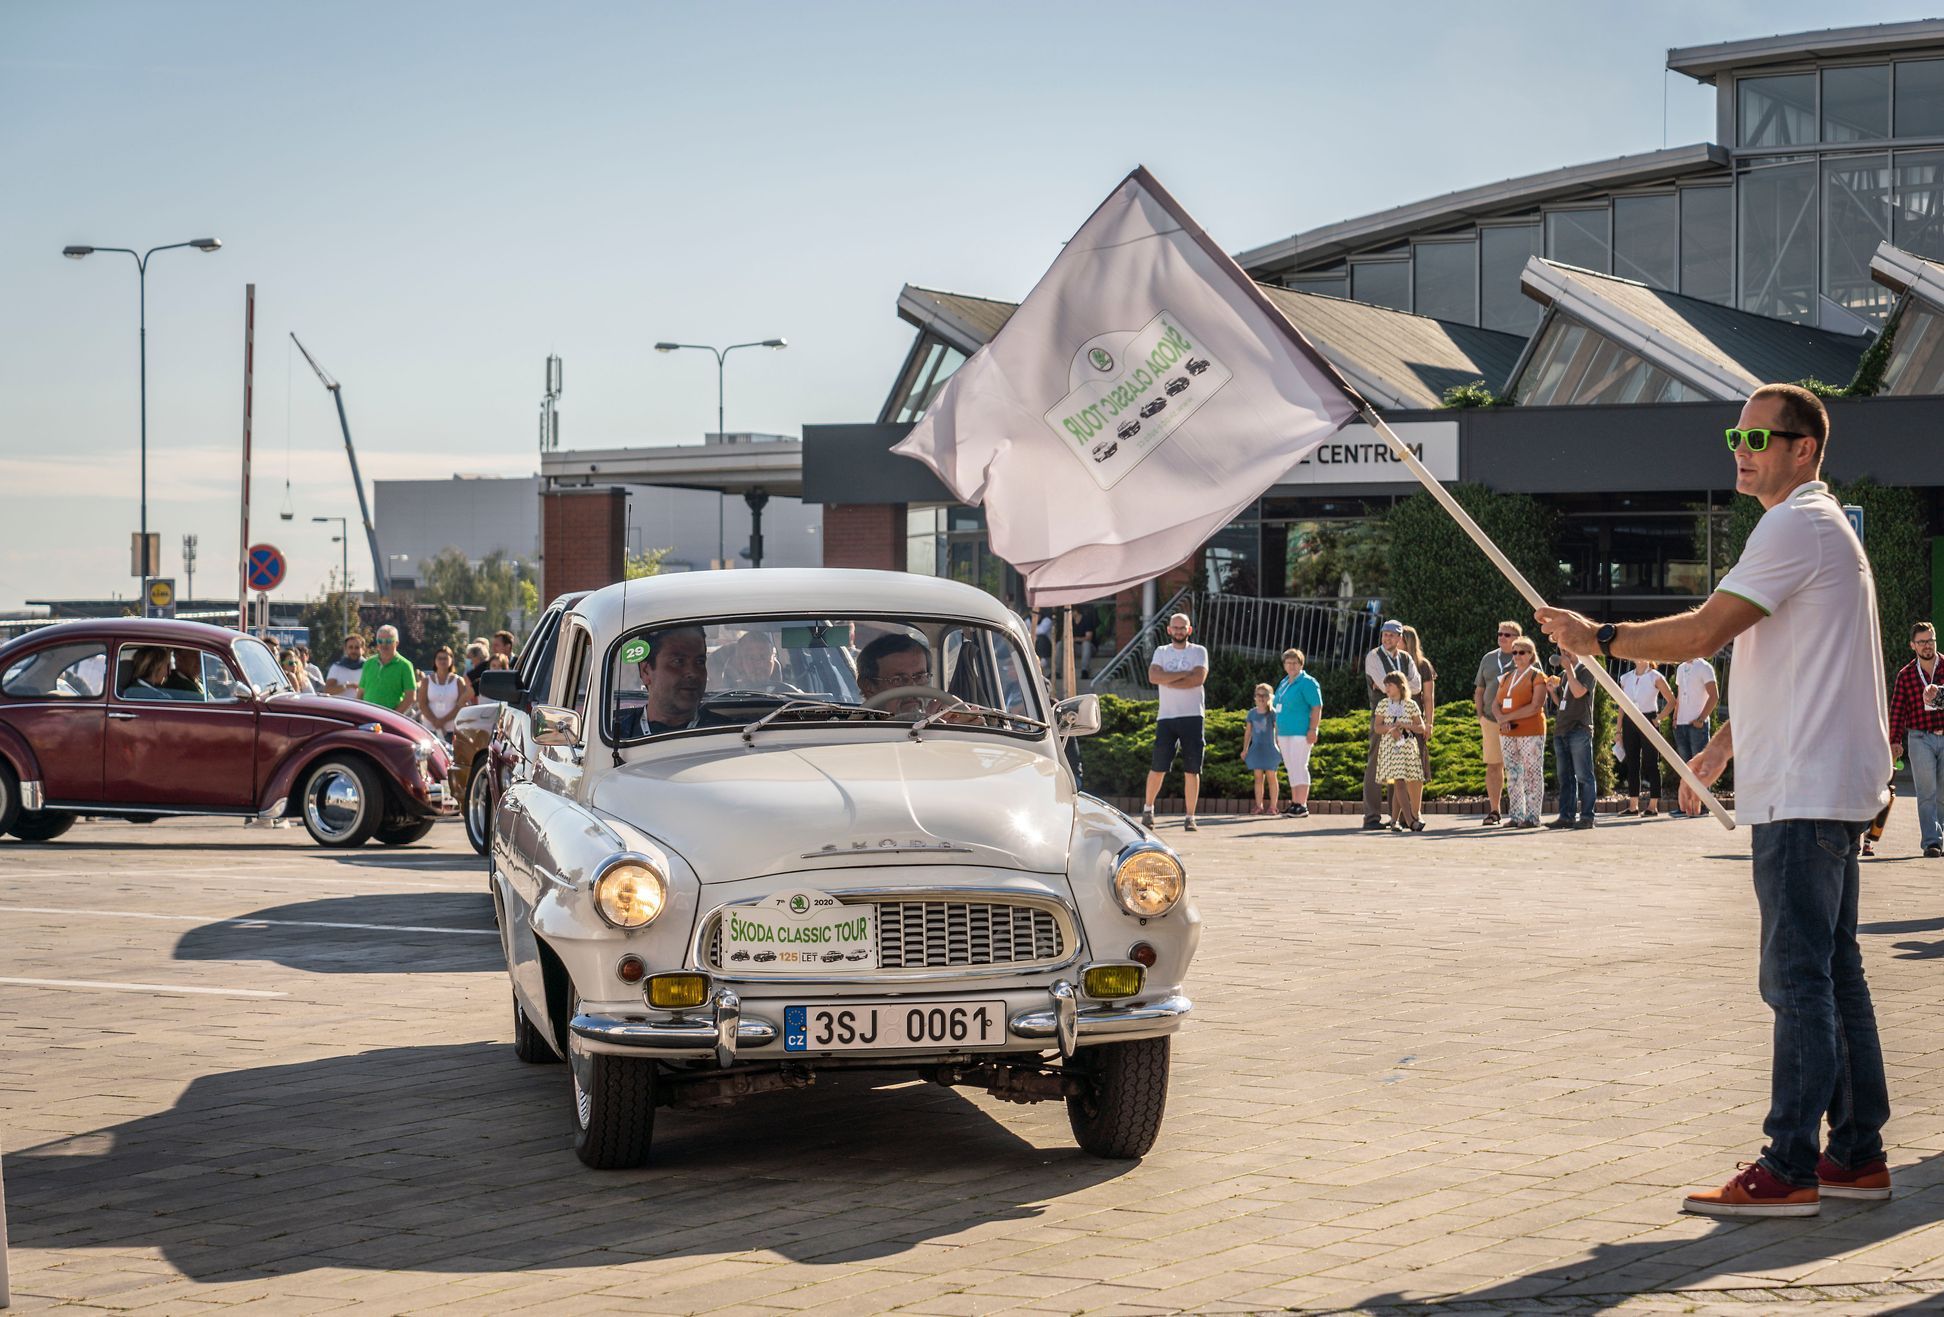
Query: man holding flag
1812, 754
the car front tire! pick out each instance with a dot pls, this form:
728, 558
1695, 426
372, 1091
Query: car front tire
343, 802
614, 1107
1119, 1116
41, 824
9, 797
479, 804
404, 834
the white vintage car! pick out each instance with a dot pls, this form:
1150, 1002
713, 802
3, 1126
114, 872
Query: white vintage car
781, 822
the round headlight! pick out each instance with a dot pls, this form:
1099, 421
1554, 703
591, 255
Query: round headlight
1148, 883
630, 895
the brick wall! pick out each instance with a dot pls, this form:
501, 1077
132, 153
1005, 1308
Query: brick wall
864, 535
583, 539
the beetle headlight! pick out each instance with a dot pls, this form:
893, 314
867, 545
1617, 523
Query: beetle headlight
630, 893
1148, 882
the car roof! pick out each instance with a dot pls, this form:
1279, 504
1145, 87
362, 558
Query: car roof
141, 630
788, 591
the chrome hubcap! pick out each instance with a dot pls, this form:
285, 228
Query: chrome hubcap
333, 802
478, 802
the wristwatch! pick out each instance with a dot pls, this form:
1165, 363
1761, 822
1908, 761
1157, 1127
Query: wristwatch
1605, 636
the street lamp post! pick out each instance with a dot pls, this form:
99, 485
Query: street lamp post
344, 567
77, 252
755, 507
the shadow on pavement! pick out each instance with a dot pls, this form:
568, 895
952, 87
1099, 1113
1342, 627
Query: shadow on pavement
408, 859
458, 1158
1910, 950
384, 933
1618, 1273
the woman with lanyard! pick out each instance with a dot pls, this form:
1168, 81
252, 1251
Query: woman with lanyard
1646, 688
1520, 708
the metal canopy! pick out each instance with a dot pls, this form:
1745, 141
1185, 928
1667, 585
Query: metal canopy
773, 467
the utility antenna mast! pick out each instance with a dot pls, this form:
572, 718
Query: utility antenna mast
549, 416
379, 575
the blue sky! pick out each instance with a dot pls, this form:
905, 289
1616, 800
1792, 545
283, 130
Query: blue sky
437, 195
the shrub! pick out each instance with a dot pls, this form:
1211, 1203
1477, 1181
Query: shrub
1475, 394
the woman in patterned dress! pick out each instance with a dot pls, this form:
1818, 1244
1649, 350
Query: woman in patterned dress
1400, 723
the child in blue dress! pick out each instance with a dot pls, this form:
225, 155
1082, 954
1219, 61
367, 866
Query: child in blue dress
1259, 748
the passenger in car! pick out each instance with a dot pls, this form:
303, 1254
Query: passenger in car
150, 676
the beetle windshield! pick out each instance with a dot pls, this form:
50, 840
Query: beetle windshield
259, 666
864, 671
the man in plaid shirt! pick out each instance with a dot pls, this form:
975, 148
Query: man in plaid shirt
1917, 729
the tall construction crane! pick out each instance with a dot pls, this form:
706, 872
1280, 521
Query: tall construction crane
380, 577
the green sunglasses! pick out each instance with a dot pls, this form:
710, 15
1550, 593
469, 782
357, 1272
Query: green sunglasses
1758, 440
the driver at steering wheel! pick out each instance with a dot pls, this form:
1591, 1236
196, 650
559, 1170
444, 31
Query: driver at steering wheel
892, 661
675, 673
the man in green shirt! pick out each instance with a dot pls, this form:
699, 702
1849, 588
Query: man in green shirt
388, 677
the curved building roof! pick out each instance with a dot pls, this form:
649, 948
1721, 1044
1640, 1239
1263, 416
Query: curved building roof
1458, 208
1705, 63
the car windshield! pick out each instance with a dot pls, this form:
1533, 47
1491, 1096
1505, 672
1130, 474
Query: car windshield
260, 666
863, 671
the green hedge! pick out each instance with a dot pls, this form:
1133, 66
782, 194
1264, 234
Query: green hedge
1117, 758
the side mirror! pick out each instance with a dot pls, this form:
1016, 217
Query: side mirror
501, 684
555, 727
1077, 716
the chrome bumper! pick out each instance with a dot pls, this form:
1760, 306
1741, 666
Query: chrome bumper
441, 800
1071, 1024
32, 796
718, 1034
723, 1030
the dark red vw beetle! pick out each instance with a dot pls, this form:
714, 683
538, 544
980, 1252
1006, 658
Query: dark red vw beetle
136, 719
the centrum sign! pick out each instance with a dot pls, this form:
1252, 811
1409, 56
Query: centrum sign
788, 932
1356, 456
1129, 391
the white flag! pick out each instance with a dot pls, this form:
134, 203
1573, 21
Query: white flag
1142, 395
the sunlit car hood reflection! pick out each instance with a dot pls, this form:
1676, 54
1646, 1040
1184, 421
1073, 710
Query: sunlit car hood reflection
944, 799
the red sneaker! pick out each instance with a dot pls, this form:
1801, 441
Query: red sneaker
1755, 1192
1870, 1180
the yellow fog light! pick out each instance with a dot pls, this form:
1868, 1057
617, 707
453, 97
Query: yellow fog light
676, 992
1105, 981
1148, 882
630, 893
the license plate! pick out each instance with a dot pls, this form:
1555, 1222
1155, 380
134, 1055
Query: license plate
873, 1026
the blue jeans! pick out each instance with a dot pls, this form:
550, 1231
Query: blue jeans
1827, 1057
1925, 752
1689, 741
1579, 790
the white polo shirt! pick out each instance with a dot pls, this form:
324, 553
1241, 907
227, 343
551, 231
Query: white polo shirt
1812, 738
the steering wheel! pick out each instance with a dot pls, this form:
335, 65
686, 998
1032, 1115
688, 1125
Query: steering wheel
887, 697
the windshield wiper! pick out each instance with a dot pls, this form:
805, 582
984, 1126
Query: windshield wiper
983, 710
749, 732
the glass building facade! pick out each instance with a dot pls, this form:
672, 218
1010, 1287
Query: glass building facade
1825, 161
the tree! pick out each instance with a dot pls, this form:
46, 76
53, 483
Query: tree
493, 585
646, 563
326, 613
1442, 584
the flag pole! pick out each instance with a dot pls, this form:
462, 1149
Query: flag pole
1605, 679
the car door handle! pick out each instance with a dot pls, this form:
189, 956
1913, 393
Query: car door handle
120, 715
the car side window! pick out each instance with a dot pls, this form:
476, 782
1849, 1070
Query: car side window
158, 674
539, 657
74, 671
579, 672
219, 683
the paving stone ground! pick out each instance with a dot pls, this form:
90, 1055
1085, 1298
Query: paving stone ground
1467, 1071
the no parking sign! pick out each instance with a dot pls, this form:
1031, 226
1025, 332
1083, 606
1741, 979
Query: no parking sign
266, 566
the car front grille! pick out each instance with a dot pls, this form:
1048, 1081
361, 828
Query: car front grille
954, 934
